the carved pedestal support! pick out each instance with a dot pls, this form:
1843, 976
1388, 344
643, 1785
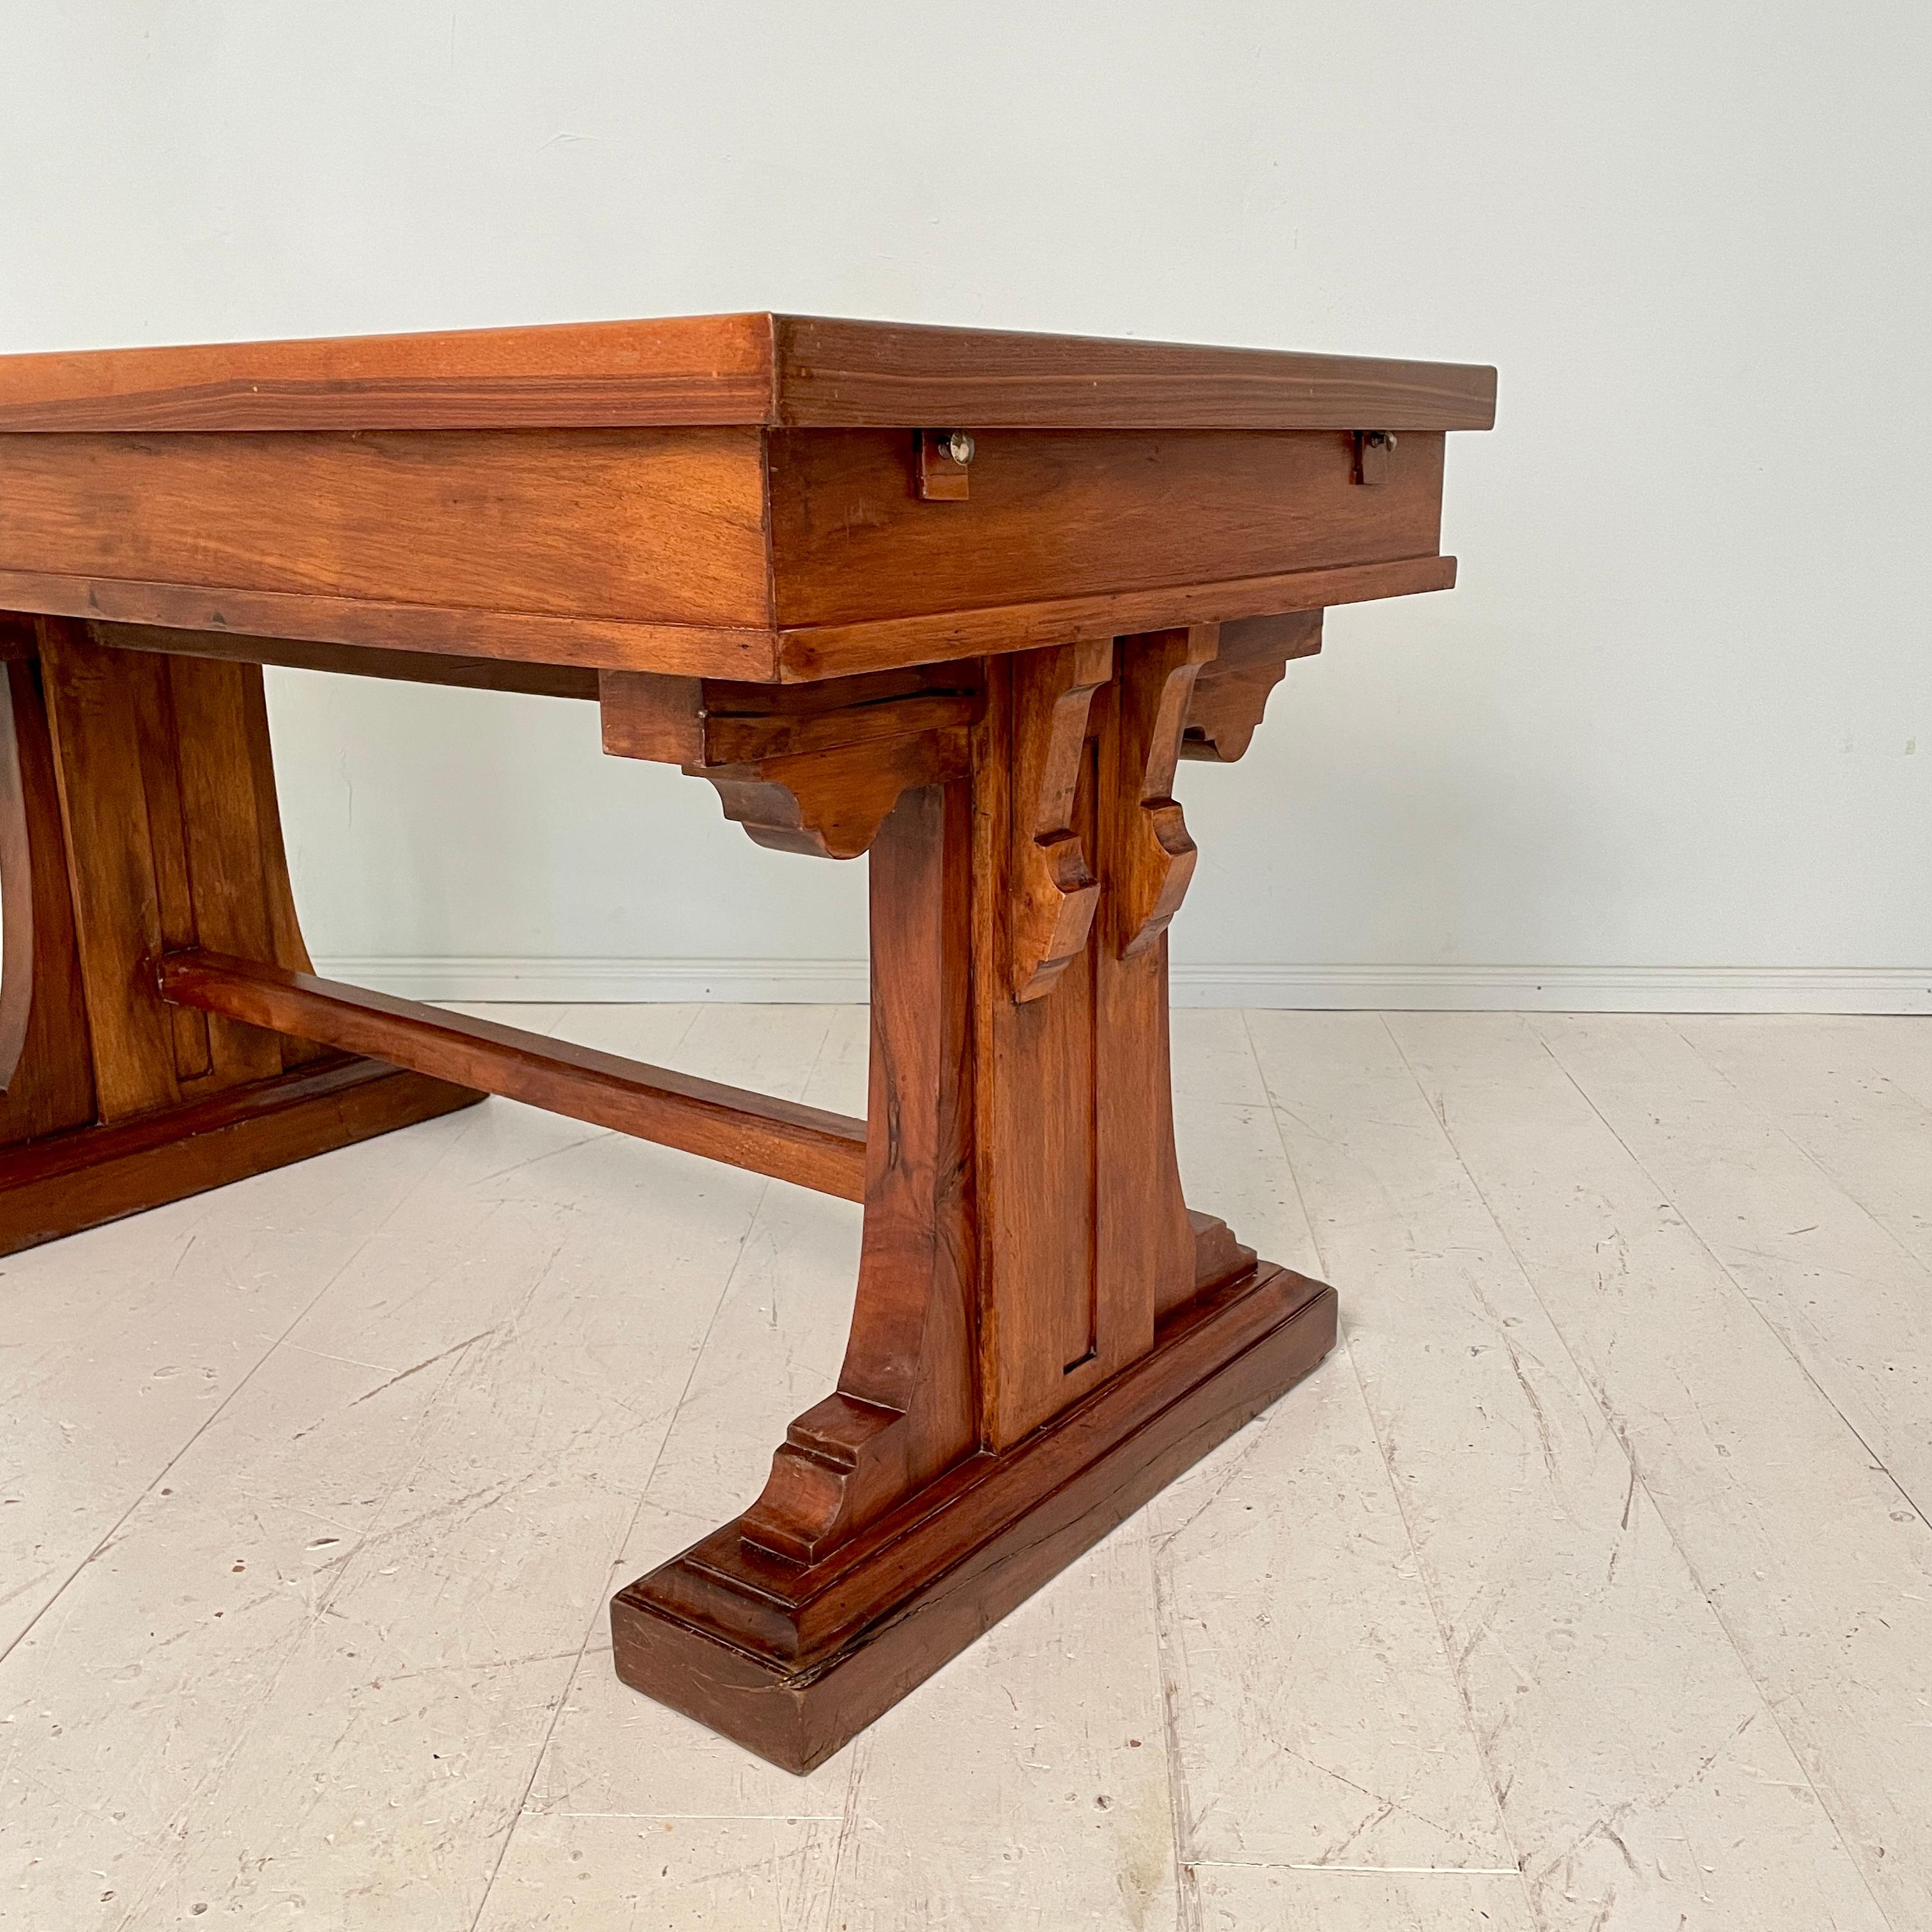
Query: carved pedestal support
1043, 1334
137, 812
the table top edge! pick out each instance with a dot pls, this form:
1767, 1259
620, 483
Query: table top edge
756, 369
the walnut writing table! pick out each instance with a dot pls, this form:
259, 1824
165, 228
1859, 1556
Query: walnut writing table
959, 600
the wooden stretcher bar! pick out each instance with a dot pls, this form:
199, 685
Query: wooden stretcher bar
814, 1148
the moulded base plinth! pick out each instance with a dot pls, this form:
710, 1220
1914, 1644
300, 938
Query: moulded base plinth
793, 1661
90, 1175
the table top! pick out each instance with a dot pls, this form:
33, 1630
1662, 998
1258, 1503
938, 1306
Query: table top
779, 371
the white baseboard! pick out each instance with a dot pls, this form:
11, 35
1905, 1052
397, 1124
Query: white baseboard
1593, 989
1569, 989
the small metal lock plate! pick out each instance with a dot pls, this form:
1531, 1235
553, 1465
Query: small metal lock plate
942, 459
1373, 449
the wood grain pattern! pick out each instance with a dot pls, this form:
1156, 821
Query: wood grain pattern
697, 721
620, 524
905, 1407
168, 801
1029, 1262
517, 636
735, 533
693, 369
96, 703
150, 696
756, 368
715, 651
1085, 1236
831, 804
839, 650
1069, 513
646, 551
1040, 1344
150, 819
1150, 1253
1153, 1254
854, 374
237, 871
803, 1145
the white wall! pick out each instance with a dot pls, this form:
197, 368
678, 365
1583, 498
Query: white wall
1679, 715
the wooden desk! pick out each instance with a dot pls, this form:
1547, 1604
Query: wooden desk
957, 599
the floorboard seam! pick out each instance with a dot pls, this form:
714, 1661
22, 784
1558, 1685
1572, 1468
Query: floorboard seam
1180, 1829
1363, 1871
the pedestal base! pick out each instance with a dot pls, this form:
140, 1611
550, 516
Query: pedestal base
793, 1660
90, 1175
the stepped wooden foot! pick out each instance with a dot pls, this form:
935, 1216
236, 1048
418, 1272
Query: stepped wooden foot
794, 1661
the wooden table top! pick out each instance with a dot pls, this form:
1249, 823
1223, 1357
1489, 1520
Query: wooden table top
756, 498
776, 371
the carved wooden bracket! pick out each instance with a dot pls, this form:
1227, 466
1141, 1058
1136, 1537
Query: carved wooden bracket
1054, 890
813, 768
831, 804
816, 767
1150, 857
1231, 692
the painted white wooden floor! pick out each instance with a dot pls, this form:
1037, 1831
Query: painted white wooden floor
1587, 1589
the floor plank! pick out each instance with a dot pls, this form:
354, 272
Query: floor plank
574, 1873
615, 1764
1567, 1558
421, 1662
1820, 1571
1024, 1788
1854, 1305
1315, 1718
1899, 1049
1641, 1775
1826, 1087
1263, 1898
118, 1346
